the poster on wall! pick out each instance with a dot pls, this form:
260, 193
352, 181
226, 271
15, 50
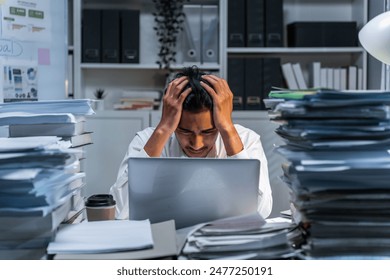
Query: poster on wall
33, 34
19, 80
26, 20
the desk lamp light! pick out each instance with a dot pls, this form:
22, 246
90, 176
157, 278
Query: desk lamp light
375, 39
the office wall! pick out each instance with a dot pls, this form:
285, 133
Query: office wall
33, 35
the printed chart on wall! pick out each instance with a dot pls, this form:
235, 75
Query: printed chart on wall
26, 20
20, 81
29, 31
22, 21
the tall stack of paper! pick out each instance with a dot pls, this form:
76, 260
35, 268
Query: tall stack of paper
36, 186
242, 237
337, 147
40, 176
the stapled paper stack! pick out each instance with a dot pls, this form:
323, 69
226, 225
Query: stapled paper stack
337, 151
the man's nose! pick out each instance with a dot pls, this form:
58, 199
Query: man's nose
197, 142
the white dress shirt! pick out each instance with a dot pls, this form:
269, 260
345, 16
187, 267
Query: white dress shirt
252, 149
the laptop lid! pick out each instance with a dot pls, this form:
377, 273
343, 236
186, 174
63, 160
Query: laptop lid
191, 190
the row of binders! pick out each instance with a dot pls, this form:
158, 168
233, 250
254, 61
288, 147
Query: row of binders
251, 79
255, 23
337, 169
339, 78
110, 36
41, 179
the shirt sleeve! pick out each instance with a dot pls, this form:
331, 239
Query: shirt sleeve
253, 148
119, 189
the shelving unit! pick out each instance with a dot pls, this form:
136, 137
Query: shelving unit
147, 74
313, 10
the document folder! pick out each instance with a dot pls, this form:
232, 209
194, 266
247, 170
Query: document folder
189, 45
110, 36
130, 36
255, 23
91, 36
274, 23
253, 83
236, 23
210, 32
272, 76
236, 78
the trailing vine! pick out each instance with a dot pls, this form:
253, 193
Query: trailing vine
168, 19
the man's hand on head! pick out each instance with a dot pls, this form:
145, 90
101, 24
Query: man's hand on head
171, 113
173, 103
222, 99
222, 112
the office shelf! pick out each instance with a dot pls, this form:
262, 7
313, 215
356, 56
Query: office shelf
293, 51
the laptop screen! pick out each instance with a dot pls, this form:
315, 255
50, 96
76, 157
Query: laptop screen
191, 190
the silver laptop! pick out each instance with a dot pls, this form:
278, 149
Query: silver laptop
192, 190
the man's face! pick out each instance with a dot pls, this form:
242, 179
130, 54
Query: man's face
196, 133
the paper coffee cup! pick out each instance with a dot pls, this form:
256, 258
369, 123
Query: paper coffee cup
100, 207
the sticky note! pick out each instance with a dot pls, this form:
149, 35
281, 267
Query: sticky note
44, 56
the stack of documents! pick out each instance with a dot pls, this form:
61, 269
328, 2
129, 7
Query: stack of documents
40, 175
338, 152
36, 186
73, 106
133, 241
138, 100
102, 237
63, 118
243, 237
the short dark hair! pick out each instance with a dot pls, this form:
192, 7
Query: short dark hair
198, 99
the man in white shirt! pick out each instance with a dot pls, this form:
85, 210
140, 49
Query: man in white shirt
196, 122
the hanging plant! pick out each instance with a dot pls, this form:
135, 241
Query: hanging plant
168, 18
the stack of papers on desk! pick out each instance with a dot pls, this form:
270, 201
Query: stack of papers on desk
66, 106
40, 175
62, 118
164, 245
102, 237
27, 118
332, 119
36, 186
338, 171
243, 237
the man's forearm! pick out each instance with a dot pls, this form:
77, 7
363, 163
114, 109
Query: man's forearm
156, 142
232, 141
